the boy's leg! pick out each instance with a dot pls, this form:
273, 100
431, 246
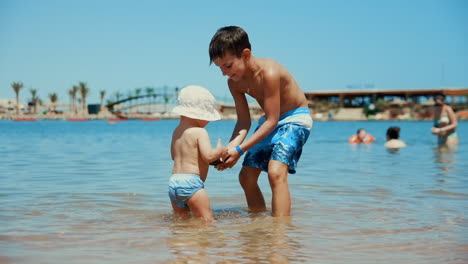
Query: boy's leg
281, 198
248, 179
199, 205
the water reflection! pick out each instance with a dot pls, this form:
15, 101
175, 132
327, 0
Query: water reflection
270, 240
254, 239
445, 158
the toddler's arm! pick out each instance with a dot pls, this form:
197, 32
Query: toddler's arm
208, 153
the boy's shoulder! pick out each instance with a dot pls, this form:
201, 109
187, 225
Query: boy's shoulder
268, 64
272, 68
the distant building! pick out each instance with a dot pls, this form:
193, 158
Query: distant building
9, 105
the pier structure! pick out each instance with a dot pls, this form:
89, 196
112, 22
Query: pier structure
361, 98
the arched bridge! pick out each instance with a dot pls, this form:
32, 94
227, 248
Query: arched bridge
153, 100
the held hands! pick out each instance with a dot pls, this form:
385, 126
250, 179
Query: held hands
220, 150
229, 158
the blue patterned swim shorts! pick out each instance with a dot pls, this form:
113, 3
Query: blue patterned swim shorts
182, 187
284, 144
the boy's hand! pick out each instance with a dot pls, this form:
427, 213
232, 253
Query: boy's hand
229, 158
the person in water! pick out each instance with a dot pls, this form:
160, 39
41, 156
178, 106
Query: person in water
191, 152
361, 136
393, 141
445, 122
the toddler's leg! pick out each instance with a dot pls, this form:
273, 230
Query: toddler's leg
248, 178
199, 205
182, 213
281, 198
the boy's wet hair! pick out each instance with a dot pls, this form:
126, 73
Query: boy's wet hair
228, 39
393, 132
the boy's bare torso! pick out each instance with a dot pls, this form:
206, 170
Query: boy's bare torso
185, 152
291, 95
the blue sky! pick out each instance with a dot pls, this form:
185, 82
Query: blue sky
327, 45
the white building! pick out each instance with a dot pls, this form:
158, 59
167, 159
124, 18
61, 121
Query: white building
9, 105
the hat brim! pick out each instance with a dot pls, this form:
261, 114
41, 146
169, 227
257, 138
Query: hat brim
196, 113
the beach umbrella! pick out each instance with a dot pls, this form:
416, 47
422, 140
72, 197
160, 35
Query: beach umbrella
398, 102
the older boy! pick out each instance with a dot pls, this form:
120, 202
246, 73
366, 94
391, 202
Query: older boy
191, 151
276, 145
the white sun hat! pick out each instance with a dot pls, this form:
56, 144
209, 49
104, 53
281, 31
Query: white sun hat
198, 103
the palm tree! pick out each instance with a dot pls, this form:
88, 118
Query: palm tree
72, 92
137, 93
34, 99
102, 94
53, 100
84, 90
79, 101
17, 87
72, 99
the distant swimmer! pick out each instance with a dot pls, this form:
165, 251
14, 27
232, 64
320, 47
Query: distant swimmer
445, 122
393, 141
361, 136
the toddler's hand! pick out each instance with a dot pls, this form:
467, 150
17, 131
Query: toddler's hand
229, 158
219, 145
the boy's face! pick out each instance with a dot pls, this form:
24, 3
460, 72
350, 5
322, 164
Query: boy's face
231, 66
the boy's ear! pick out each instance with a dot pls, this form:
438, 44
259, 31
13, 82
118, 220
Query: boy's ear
246, 54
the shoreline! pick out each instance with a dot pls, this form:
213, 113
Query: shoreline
29, 118
343, 115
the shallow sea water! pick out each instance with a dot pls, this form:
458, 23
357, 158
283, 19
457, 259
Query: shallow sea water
95, 192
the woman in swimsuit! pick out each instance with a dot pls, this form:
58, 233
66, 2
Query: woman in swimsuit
445, 122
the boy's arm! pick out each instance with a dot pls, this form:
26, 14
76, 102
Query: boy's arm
240, 130
271, 107
207, 153
243, 117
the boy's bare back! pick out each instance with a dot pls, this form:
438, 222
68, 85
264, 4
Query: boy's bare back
184, 150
